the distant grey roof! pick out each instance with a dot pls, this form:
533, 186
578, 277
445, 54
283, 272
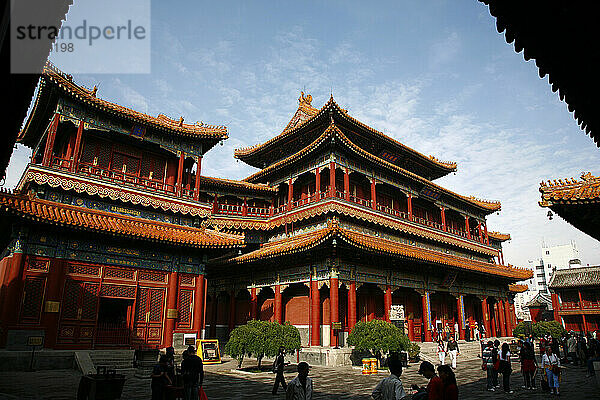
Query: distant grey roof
541, 300
575, 277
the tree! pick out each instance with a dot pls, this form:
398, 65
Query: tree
261, 339
238, 343
539, 329
378, 337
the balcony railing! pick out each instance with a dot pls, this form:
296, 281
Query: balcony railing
583, 305
160, 186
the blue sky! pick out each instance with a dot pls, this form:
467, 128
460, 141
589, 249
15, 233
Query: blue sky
435, 75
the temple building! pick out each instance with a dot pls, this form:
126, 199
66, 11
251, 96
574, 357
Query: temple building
114, 238
576, 298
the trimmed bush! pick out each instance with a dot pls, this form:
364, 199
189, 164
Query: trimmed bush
379, 337
261, 339
539, 329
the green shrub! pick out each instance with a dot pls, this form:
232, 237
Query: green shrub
261, 339
539, 329
378, 337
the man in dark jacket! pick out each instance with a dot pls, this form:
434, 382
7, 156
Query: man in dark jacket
278, 365
192, 371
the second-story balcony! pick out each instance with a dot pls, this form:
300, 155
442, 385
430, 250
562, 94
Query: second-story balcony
580, 306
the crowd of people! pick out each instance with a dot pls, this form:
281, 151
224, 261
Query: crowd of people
497, 359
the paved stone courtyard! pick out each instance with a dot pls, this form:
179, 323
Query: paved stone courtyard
329, 383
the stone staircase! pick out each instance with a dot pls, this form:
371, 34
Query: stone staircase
118, 360
468, 351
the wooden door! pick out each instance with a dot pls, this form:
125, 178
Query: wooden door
79, 312
149, 316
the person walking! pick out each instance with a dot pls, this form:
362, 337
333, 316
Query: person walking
476, 333
278, 366
192, 371
435, 387
301, 387
453, 351
487, 358
390, 388
456, 334
528, 365
449, 380
551, 365
496, 353
572, 348
505, 367
441, 351
160, 378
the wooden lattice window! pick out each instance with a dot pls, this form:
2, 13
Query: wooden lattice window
152, 276
156, 305
33, 298
153, 165
125, 163
184, 308
37, 264
186, 280
79, 269
80, 300
119, 273
96, 152
120, 291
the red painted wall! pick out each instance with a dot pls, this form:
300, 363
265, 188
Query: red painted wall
296, 310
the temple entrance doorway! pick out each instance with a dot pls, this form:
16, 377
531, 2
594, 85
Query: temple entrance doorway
114, 322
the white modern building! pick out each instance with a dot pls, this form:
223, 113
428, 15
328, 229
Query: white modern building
551, 258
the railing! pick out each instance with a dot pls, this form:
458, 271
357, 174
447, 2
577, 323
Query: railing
583, 305
231, 209
109, 334
258, 211
154, 185
160, 186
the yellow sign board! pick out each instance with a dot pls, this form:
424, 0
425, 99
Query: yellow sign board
209, 351
35, 340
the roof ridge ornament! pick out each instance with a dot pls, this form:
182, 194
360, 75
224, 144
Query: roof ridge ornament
305, 99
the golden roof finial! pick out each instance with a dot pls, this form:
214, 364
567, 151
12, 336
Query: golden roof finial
305, 99
180, 121
94, 91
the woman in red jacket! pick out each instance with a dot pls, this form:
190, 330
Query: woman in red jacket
449, 380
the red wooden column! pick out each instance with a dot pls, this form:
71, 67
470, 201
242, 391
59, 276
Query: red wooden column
585, 327
501, 320
197, 183
215, 206
555, 306
56, 277
485, 311
409, 206
245, 207
180, 173
487, 239
495, 321
49, 149
410, 325
13, 288
76, 150
332, 179
460, 306
443, 214
199, 301
426, 316
277, 306
346, 184
253, 304
507, 317
231, 324
334, 311
467, 228
373, 195
315, 333
351, 305
317, 183
387, 302
171, 309
290, 194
